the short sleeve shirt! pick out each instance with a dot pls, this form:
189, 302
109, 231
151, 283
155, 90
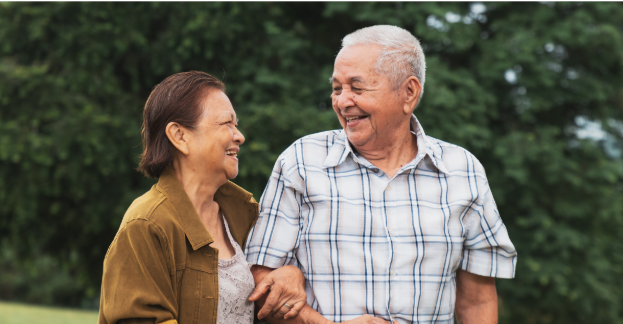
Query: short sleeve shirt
371, 244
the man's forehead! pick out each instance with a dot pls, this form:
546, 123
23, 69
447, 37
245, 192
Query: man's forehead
350, 79
355, 64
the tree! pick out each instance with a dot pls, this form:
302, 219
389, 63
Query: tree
532, 89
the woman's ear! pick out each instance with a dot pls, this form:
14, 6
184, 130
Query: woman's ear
413, 90
178, 136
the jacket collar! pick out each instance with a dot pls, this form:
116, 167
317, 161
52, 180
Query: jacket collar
340, 150
240, 210
238, 206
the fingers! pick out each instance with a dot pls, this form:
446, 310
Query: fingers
261, 288
278, 290
284, 285
296, 299
282, 311
272, 303
295, 310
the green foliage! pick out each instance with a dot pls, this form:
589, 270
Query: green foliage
516, 84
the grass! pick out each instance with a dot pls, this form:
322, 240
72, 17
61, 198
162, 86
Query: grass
12, 313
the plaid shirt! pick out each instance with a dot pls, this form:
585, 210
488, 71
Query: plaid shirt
370, 244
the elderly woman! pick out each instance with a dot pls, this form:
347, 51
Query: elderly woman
178, 254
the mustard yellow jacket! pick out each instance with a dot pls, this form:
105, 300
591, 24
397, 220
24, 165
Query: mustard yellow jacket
160, 268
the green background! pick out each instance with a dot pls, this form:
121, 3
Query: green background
534, 90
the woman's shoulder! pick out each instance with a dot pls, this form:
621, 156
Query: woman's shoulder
153, 207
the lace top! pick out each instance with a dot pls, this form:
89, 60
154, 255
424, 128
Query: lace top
235, 285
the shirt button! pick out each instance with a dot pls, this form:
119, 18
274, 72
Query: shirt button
393, 273
389, 188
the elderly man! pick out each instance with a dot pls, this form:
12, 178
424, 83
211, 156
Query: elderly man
386, 223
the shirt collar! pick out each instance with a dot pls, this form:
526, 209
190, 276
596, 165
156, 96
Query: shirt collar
340, 150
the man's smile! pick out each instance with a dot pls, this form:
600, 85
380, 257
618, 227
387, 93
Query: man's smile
355, 118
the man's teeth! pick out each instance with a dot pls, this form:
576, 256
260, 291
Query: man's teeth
231, 153
353, 118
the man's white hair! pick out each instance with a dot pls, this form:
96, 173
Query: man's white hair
401, 54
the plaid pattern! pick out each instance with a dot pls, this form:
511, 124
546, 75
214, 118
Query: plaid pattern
368, 244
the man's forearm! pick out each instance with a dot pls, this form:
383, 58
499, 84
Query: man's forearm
485, 313
476, 299
306, 316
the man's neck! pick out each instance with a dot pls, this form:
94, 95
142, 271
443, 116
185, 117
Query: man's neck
392, 154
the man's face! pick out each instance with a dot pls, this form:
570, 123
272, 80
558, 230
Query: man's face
367, 107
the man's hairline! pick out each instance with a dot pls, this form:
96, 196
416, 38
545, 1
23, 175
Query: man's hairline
394, 86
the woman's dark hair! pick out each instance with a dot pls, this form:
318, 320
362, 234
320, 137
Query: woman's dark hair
178, 99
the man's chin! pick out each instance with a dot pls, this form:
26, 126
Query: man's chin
357, 139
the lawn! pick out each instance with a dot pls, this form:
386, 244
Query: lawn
12, 313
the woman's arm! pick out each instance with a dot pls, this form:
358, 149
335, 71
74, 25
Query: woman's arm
136, 284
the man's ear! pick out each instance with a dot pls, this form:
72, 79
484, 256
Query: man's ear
178, 136
412, 89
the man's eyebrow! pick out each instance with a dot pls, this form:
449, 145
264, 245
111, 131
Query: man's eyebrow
352, 79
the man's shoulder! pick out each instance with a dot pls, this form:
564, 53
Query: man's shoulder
317, 143
322, 139
453, 156
438, 145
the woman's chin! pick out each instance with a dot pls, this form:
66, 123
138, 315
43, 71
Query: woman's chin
232, 175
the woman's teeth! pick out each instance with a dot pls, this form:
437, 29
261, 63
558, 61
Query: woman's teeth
232, 153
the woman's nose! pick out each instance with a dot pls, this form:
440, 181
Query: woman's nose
238, 137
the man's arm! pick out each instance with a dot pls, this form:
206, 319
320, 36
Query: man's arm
269, 308
476, 299
272, 310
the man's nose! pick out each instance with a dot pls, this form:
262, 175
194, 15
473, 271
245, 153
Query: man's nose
345, 99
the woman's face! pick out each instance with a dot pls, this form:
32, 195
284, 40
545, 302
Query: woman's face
216, 139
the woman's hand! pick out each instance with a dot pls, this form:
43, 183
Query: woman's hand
287, 293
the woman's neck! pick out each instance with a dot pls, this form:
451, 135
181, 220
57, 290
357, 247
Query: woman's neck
200, 188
